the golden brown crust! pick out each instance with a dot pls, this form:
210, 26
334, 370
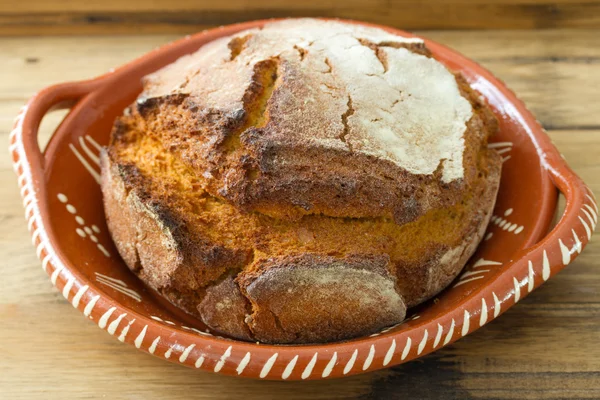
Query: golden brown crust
307, 298
274, 237
270, 149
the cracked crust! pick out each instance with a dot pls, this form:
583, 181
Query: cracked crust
263, 141
274, 225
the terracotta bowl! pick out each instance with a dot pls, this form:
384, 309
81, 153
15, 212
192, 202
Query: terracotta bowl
63, 207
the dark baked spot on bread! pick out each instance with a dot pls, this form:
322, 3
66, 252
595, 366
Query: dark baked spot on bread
236, 45
378, 49
301, 52
345, 116
379, 53
328, 63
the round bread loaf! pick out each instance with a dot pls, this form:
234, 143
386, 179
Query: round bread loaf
304, 182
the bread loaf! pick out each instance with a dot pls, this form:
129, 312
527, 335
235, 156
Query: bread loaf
304, 182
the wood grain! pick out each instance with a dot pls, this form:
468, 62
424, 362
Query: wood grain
544, 347
184, 16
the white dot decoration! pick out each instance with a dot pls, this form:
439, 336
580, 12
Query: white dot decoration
62, 198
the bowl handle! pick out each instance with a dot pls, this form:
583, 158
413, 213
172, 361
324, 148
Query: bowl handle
61, 96
575, 227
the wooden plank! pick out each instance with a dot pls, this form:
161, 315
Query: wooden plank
184, 16
15, 7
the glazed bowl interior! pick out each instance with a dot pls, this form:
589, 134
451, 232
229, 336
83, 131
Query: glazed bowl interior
77, 228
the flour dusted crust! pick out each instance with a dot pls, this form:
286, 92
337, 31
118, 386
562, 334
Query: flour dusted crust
265, 140
304, 182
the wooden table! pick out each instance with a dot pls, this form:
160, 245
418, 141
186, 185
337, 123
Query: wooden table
547, 346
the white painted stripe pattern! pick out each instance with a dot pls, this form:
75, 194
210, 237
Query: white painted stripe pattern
45, 262
199, 361
118, 285
438, 336
330, 365
103, 250
87, 311
459, 283
140, 338
242, 365
497, 305
86, 230
593, 212
483, 262
530, 278
593, 202
34, 237
93, 143
289, 368
350, 362
55, 273
67, 288
108, 278
30, 224
566, 255
112, 328
78, 295
483, 315
450, 333
186, 353
390, 353
125, 331
545, 267
169, 351
88, 152
222, 360
466, 321
152, 347
589, 217
369, 358
268, 365
577, 241
104, 318
406, 350
517, 289
38, 250
423, 343
85, 163
477, 271
587, 228
505, 224
309, 367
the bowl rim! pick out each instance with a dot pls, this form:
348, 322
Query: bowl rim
226, 356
